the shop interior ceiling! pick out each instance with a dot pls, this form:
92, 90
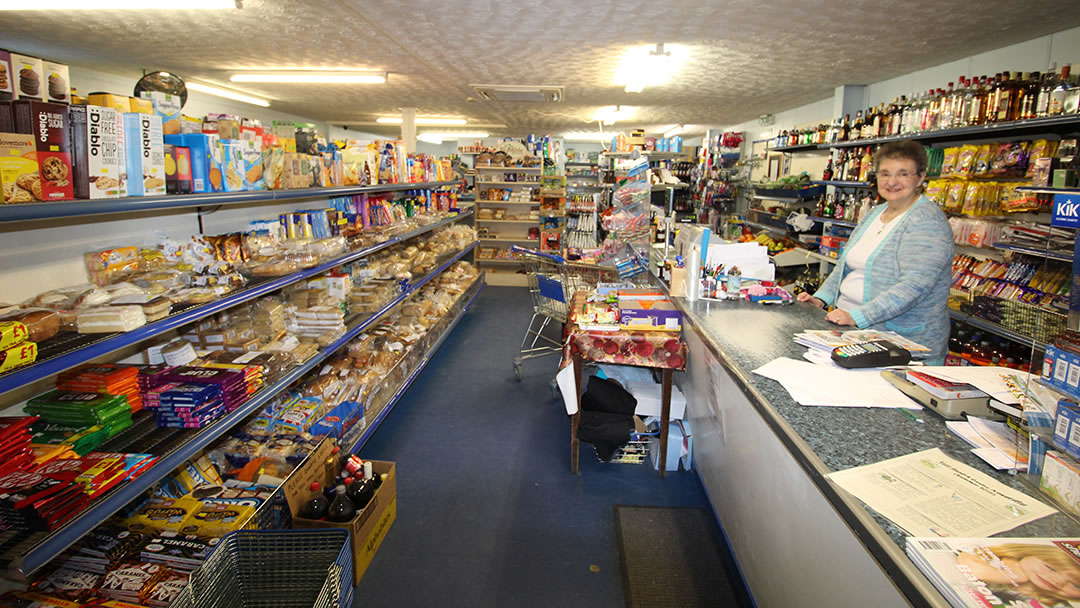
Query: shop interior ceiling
745, 57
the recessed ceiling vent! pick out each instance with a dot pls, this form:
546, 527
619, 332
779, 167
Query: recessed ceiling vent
507, 92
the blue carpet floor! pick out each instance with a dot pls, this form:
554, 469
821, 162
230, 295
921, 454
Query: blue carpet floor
488, 512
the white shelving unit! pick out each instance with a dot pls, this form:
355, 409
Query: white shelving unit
513, 228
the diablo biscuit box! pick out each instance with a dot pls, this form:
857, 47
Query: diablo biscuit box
18, 168
7, 77
27, 73
145, 152
49, 124
97, 152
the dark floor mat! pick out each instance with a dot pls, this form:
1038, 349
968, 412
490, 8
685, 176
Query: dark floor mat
670, 558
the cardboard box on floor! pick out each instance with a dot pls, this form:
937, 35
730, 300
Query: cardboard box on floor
368, 529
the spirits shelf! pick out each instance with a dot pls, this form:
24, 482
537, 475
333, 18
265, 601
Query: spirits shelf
49, 546
795, 148
998, 129
842, 184
90, 347
374, 425
46, 210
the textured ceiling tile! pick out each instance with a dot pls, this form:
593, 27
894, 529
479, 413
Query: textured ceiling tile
745, 57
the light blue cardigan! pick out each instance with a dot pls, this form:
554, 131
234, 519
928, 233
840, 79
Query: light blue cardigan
907, 279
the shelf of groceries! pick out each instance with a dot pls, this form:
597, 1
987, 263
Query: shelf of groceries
65, 350
389, 338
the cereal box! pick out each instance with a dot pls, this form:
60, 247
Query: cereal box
145, 152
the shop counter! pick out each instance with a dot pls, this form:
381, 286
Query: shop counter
762, 457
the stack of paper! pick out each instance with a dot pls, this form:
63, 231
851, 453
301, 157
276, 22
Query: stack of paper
995, 442
811, 384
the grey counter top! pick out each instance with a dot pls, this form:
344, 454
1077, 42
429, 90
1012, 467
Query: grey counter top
746, 335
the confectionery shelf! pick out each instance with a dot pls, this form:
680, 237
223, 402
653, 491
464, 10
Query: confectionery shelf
469, 296
25, 561
1064, 256
39, 211
83, 348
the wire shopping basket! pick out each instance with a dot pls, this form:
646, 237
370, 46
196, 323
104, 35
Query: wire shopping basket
274, 569
552, 284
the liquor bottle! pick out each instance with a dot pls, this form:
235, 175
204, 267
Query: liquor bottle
838, 210
925, 109
341, 509
850, 209
828, 173
853, 167
1029, 97
317, 505
834, 132
856, 127
896, 121
819, 209
875, 123
1007, 97
865, 165
1057, 95
979, 97
1042, 106
845, 129
909, 121
933, 110
830, 206
993, 98
945, 107
961, 104
1071, 105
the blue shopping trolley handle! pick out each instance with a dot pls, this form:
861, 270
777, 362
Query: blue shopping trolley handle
558, 259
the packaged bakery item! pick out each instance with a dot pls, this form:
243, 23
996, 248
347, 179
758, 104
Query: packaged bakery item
40, 323
57, 82
232, 164
48, 123
19, 169
1009, 160
110, 319
7, 80
145, 154
167, 106
251, 153
96, 152
28, 77
111, 265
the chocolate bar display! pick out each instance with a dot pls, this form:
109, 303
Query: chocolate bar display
129, 581
178, 551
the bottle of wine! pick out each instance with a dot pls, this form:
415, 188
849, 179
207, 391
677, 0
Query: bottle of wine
342, 509
1042, 106
317, 505
1057, 95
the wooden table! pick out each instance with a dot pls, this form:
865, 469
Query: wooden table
655, 349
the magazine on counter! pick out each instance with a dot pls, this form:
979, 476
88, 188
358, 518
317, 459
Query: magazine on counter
827, 339
1007, 572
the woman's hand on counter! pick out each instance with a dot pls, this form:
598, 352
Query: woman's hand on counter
806, 297
840, 317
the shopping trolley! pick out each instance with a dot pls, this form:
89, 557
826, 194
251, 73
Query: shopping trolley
552, 284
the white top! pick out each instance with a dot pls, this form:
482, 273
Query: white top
855, 258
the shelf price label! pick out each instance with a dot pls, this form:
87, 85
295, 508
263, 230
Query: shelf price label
1066, 211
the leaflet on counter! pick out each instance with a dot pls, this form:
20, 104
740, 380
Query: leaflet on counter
930, 494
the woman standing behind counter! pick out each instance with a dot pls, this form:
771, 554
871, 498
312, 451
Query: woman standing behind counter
896, 269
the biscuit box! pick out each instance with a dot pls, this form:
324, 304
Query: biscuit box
232, 164
251, 152
27, 72
96, 152
7, 77
120, 103
57, 82
18, 163
48, 123
168, 108
145, 152
177, 169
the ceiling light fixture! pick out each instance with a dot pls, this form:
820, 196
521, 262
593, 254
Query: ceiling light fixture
431, 121
119, 5
209, 90
645, 66
673, 131
431, 138
609, 115
313, 77
455, 136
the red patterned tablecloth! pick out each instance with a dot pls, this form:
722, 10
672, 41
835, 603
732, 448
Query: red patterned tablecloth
660, 349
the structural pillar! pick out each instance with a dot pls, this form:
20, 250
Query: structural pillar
408, 129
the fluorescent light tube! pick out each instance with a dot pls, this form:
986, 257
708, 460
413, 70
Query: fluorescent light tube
673, 131
209, 90
119, 5
328, 76
455, 136
432, 121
